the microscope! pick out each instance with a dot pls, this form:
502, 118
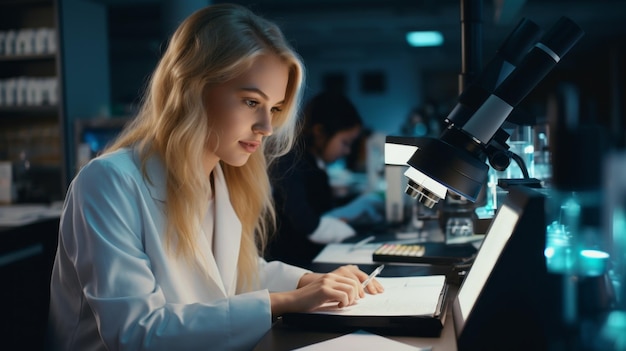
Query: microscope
455, 163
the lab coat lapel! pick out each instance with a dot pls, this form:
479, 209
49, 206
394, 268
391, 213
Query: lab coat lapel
157, 189
227, 235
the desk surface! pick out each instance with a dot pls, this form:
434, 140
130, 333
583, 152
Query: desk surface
20, 215
284, 337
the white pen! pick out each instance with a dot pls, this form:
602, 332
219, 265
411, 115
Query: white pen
373, 275
362, 242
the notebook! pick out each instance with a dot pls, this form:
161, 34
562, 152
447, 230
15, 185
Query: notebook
413, 305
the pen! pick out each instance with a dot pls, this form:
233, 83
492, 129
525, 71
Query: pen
373, 275
362, 242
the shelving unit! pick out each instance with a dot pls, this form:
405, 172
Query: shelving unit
31, 106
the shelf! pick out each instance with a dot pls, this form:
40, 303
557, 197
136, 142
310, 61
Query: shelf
24, 2
37, 128
23, 58
8, 111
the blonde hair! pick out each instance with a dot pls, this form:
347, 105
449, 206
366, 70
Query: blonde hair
212, 46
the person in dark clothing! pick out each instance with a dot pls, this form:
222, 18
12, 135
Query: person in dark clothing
307, 216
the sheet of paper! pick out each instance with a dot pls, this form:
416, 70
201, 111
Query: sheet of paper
347, 253
475, 239
403, 296
362, 341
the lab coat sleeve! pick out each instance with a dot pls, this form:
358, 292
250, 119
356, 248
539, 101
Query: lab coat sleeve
331, 230
366, 208
278, 276
101, 235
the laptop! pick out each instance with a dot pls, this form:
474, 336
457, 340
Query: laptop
507, 300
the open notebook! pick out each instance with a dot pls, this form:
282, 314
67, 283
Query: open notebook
410, 305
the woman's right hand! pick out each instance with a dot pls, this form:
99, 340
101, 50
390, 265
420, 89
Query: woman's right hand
341, 286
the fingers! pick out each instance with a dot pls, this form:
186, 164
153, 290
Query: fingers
354, 273
374, 287
342, 286
350, 287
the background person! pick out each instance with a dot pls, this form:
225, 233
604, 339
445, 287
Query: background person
307, 213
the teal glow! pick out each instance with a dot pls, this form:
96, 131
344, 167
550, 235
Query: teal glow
617, 320
424, 38
594, 254
558, 250
559, 259
593, 263
613, 330
571, 209
529, 149
619, 223
548, 252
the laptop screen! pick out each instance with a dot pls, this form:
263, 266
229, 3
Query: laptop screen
496, 238
500, 231
508, 281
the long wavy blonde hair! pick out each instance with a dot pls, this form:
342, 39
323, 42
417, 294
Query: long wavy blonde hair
212, 46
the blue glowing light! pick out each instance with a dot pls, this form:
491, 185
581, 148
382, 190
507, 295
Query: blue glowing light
424, 38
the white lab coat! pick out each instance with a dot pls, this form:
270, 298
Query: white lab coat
115, 287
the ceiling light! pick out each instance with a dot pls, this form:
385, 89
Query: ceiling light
424, 38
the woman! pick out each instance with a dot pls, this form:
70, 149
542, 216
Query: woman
159, 235
308, 217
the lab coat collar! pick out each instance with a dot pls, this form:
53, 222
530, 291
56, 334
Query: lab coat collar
227, 235
227, 227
